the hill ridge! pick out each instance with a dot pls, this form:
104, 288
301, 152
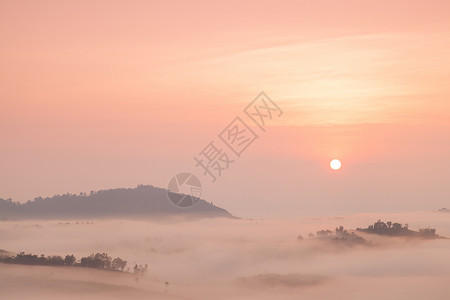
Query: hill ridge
141, 201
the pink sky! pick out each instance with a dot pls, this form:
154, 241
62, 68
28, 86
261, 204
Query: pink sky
104, 94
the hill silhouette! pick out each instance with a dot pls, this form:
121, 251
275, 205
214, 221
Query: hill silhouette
142, 201
397, 229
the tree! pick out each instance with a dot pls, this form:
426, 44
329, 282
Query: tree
55, 260
139, 270
379, 225
99, 261
118, 264
69, 260
397, 226
340, 229
324, 232
104, 259
389, 224
427, 232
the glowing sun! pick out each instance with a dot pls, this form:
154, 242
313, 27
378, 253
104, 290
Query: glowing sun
335, 164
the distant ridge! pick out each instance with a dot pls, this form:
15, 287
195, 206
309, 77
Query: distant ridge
142, 201
4, 253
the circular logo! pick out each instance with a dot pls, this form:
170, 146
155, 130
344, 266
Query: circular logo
185, 190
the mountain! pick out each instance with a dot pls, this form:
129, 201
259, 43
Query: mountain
142, 201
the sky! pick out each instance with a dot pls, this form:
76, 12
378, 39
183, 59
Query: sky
105, 94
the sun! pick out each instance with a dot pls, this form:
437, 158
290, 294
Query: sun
335, 164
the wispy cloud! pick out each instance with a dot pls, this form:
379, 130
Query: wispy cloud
371, 78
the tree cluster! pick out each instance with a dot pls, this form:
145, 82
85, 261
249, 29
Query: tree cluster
339, 236
397, 229
96, 261
140, 270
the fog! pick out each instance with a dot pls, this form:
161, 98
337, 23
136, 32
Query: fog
229, 259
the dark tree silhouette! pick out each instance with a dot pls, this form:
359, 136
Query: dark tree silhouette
397, 229
69, 260
118, 264
98, 261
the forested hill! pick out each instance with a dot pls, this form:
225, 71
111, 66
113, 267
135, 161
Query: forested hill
142, 201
